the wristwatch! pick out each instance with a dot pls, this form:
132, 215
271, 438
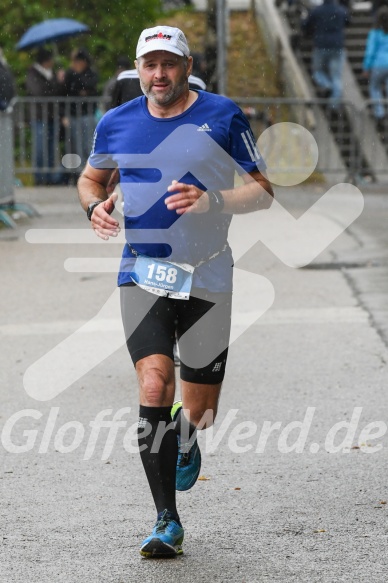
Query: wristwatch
216, 201
91, 208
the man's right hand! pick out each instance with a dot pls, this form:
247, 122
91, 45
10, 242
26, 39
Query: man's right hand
103, 224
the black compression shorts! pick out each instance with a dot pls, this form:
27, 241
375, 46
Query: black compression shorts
151, 324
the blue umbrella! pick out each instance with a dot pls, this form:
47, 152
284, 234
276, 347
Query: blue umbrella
51, 30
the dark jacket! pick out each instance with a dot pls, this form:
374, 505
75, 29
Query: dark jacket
326, 24
7, 86
127, 87
37, 85
81, 85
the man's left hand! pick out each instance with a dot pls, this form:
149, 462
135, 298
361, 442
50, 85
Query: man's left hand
187, 198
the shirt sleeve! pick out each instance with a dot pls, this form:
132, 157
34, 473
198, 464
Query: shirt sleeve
99, 156
243, 147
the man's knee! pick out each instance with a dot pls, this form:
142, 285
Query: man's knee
154, 384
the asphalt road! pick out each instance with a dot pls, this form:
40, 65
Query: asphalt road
305, 502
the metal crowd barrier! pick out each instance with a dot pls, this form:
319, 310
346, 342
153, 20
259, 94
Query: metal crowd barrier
6, 158
45, 131
6, 168
48, 129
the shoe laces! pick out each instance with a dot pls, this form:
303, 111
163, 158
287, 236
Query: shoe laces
163, 522
184, 454
161, 525
183, 459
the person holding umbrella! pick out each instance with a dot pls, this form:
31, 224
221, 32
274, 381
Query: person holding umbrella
42, 82
55, 30
80, 81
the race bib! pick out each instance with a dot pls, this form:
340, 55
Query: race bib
163, 278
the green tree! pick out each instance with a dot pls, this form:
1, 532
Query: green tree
115, 27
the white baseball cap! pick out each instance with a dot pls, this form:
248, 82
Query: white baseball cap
162, 38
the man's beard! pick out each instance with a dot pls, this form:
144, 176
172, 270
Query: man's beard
173, 93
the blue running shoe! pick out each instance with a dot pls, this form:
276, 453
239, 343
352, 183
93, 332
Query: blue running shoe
189, 458
166, 538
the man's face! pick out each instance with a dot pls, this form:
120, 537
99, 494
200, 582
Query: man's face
79, 65
49, 64
163, 76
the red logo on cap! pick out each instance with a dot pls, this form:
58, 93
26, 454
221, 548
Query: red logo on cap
160, 35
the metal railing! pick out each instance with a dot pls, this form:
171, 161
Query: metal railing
50, 129
339, 155
6, 158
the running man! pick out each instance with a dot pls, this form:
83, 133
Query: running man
176, 151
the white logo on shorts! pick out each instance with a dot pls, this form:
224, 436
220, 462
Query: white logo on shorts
217, 367
142, 422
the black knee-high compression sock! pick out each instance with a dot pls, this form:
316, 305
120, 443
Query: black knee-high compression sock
158, 451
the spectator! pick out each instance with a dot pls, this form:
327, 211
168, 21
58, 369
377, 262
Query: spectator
375, 63
81, 81
326, 24
41, 83
127, 87
199, 65
7, 84
123, 64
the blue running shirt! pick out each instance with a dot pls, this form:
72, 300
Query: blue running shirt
204, 146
